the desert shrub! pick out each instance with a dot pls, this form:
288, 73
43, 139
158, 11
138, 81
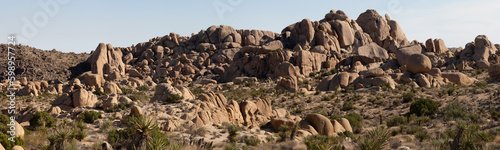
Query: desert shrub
322, 142
454, 110
4, 140
396, 121
234, 146
233, 132
356, 121
127, 90
470, 137
423, 107
408, 97
138, 96
91, 116
105, 126
198, 91
253, 141
119, 136
118, 107
42, 119
374, 140
422, 135
174, 98
348, 105
142, 88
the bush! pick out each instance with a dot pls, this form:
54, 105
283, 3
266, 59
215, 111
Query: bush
91, 116
174, 98
322, 142
127, 90
4, 139
396, 121
356, 121
233, 132
454, 110
142, 88
42, 119
422, 135
423, 107
61, 138
118, 107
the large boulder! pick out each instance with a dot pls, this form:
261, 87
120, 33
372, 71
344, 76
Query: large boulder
494, 73
309, 61
458, 78
376, 26
165, 91
300, 33
83, 98
106, 59
483, 48
412, 58
287, 84
345, 32
372, 53
321, 124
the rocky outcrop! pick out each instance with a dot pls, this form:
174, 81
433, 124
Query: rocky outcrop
458, 78
372, 53
494, 72
165, 92
106, 60
412, 59
84, 98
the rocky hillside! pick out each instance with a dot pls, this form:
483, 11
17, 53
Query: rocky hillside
36, 64
336, 83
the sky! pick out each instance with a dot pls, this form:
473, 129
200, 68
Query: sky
79, 26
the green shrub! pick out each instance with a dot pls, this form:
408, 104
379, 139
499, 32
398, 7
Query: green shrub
454, 110
142, 88
119, 136
127, 90
4, 140
91, 116
396, 121
348, 105
174, 98
233, 132
252, 141
138, 96
42, 119
422, 135
356, 121
322, 142
423, 107
198, 91
118, 107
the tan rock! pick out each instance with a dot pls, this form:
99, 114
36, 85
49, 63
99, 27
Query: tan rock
240, 80
458, 78
345, 124
287, 84
112, 88
372, 53
17, 147
135, 111
83, 98
494, 72
321, 124
278, 122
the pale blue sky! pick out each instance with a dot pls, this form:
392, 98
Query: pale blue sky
78, 26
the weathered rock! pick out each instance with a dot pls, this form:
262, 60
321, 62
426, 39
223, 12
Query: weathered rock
17, 147
345, 123
208, 81
287, 84
376, 26
55, 110
494, 72
413, 59
83, 98
165, 91
278, 122
458, 78
422, 81
135, 73
286, 69
483, 48
109, 102
439, 46
135, 111
372, 53
112, 88
248, 111
321, 124
240, 80
106, 59
345, 32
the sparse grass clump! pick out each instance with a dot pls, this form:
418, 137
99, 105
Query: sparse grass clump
423, 107
138, 96
408, 97
142, 88
42, 119
252, 141
455, 110
233, 132
322, 142
198, 91
396, 121
174, 98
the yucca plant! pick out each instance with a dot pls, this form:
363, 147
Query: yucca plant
61, 138
375, 139
142, 126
